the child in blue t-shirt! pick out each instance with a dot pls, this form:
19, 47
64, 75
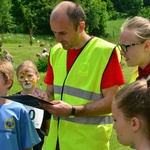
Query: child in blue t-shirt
16, 129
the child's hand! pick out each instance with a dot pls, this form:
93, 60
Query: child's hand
37, 92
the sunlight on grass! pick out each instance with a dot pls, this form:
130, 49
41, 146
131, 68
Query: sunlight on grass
113, 30
22, 51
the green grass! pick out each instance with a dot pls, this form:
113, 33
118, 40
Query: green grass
11, 42
113, 30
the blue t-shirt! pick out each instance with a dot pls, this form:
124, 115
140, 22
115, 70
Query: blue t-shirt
16, 129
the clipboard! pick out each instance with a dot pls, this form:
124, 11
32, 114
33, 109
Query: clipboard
27, 100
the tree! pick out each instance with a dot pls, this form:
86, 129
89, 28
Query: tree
112, 13
5, 17
97, 17
130, 7
33, 14
145, 12
17, 11
146, 3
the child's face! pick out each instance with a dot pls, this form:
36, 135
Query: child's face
27, 78
3, 85
122, 126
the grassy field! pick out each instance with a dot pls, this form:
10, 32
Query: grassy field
19, 47
113, 30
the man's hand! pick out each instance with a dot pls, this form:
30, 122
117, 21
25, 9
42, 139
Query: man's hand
59, 108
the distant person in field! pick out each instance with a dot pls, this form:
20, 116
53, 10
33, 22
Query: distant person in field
131, 113
8, 56
45, 53
28, 75
38, 55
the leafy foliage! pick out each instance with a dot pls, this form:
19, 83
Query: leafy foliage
32, 16
2, 55
42, 64
130, 7
145, 12
112, 13
97, 17
5, 16
146, 3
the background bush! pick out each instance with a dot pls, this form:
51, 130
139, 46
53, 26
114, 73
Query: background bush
42, 64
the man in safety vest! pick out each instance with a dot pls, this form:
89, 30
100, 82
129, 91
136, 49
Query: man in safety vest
83, 76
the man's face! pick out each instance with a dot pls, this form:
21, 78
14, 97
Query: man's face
27, 79
65, 32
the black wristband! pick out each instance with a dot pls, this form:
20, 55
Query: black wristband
73, 111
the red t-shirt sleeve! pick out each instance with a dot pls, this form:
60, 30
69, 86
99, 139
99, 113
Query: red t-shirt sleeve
113, 74
49, 74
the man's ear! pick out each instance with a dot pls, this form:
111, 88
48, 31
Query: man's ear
136, 124
82, 26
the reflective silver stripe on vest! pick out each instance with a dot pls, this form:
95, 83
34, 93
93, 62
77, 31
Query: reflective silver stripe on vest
89, 120
77, 92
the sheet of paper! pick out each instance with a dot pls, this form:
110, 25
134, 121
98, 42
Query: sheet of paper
36, 115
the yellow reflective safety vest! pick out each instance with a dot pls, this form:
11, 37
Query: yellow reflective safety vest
118, 54
134, 75
80, 86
